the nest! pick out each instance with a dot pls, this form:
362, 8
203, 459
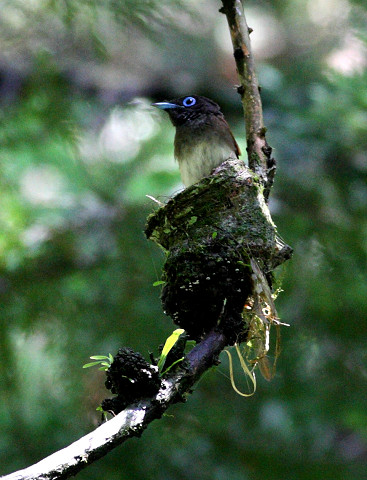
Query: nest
213, 233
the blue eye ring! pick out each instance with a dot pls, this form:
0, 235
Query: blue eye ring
189, 102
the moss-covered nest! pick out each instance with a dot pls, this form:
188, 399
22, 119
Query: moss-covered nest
210, 232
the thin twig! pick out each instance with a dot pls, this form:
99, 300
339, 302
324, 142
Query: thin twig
259, 152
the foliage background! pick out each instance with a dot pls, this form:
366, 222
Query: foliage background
81, 147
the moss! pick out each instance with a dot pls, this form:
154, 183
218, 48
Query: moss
208, 277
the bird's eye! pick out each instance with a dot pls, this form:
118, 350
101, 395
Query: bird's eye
189, 101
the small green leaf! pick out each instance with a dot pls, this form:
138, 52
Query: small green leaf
102, 360
240, 262
170, 342
167, 230
87, 365
214, 235
173, 364
192, 220
158, 282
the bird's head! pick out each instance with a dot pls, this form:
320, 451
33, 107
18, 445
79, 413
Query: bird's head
185, 110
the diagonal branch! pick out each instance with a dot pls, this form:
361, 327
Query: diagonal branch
131, 422
259, 152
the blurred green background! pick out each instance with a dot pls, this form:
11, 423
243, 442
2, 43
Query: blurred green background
81, 149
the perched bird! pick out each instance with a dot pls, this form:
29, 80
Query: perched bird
203, 138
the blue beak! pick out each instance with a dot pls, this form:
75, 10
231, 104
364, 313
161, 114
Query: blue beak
165, 105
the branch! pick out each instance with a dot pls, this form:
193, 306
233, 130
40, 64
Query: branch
129, 423
259, 152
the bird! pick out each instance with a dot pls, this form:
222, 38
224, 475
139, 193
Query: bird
203, 139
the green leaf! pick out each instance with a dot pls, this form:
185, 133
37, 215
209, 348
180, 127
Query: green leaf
158, 282
102, 360
91, 364
192, 220
173, 364
240, 262
214, 235
170, 343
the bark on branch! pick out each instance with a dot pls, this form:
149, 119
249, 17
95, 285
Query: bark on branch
259, 152
131, 422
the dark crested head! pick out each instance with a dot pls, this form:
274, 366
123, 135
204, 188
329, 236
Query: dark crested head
190, 108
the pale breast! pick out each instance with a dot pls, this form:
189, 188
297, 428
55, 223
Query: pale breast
200, 160
201, 147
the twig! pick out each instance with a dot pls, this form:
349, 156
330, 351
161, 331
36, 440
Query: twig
259, 152
130, 422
